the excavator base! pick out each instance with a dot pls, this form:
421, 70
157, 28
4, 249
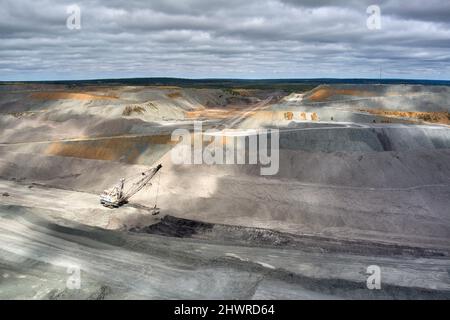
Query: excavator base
112, 205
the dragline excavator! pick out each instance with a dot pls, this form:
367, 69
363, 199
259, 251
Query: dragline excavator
119, 194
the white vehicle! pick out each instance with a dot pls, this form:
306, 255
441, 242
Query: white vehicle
118, 196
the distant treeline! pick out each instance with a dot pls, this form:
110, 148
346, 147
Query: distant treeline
282, 84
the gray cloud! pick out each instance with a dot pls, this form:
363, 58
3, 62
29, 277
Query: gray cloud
223, 38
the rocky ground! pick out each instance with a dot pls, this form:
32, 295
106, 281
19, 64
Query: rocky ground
355, 187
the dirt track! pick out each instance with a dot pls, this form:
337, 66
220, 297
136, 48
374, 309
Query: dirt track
125, 265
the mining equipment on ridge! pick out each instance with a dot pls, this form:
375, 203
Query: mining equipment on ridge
119, 194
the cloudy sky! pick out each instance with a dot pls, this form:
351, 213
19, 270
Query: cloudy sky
224, 39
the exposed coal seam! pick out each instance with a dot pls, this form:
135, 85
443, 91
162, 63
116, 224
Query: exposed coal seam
171, 226
342, 288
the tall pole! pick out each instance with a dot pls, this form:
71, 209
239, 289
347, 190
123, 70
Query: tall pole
380, 74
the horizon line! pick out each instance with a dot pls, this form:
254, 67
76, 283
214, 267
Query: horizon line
225, 79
